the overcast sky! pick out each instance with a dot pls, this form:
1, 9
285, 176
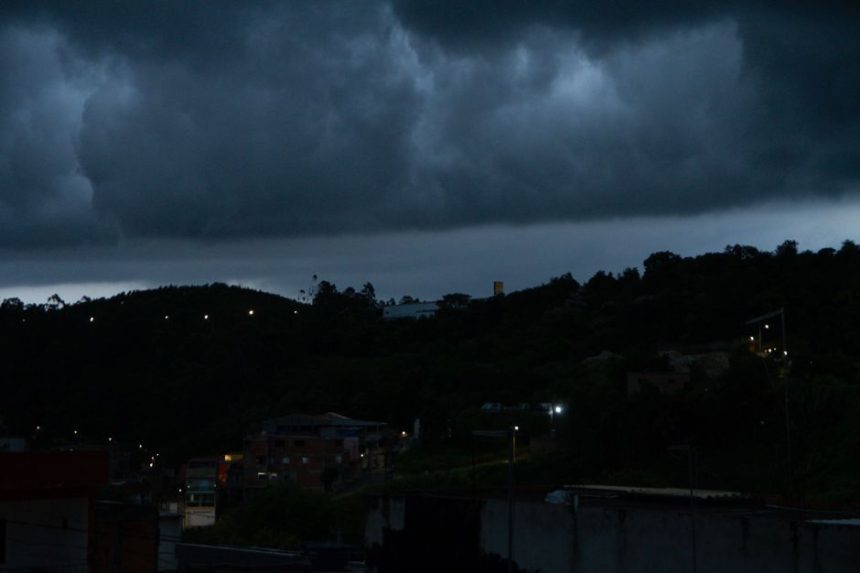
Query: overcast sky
428, 147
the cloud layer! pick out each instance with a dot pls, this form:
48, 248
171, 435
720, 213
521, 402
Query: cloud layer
225, 120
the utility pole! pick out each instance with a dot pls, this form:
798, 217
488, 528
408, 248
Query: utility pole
783, 374
511, 502
785, 382
691, 455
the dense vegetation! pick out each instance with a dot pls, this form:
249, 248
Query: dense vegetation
146, 367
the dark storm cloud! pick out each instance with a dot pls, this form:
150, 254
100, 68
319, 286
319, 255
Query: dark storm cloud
237, 119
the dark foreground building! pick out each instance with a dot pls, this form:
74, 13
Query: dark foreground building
607, 530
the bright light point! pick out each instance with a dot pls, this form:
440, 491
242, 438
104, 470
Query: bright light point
785, 352
92, 319
766, 326
752, 338
140, 446
166, 317
516, 428
295, 312
205, 317
38, 428
403, 434
150, 464
110, 439
75, 432
251, 312
558, 409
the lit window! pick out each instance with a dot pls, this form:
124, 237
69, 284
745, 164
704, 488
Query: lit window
286, 461
306, 460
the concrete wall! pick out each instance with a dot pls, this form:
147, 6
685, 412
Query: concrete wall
199, 516
46, 534
554, 538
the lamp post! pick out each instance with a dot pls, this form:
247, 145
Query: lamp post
511, 460
554, 410
784, 371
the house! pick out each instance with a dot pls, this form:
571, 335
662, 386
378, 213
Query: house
322, 452
663, 382
200, 477
47, 509
410, 310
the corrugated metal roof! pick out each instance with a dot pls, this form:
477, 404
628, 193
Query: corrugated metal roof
656, 491
851, 522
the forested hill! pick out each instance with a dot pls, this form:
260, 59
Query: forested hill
189, 369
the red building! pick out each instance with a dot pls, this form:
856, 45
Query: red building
316, 452
48, 509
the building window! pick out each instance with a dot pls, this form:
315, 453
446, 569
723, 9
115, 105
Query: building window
286, 461
299, 443
306, 460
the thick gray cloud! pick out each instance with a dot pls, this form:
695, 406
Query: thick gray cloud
426, 264
225, 120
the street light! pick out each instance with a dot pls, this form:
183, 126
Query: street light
511, 461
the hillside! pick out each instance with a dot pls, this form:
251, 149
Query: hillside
148, 367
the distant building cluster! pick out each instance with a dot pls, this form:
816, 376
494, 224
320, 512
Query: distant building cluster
52, 508
413, 309
326, 452
679, 373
